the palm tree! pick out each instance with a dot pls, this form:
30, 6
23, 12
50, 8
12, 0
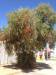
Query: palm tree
28, 30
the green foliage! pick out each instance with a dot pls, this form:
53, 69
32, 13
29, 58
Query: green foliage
44, 18
29, 30
21, 36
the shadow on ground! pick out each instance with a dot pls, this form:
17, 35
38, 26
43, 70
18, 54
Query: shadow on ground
39, 66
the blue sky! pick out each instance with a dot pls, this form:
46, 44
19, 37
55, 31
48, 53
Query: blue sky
7, 6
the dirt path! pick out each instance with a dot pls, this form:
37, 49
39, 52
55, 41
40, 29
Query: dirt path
45, 68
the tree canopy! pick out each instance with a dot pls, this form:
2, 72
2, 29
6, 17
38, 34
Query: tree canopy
45, 18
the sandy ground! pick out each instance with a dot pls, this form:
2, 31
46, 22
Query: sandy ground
45, 68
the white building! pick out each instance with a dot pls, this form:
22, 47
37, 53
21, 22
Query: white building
4, 58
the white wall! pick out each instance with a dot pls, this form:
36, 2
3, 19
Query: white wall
4, 58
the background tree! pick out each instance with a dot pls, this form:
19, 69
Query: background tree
45, 18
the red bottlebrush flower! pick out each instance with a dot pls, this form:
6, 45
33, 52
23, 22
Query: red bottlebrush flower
45, 14
27, 29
